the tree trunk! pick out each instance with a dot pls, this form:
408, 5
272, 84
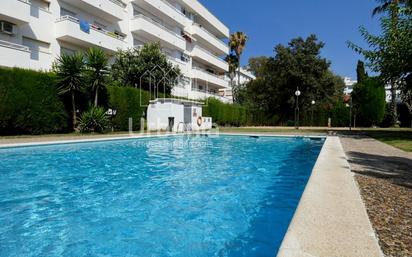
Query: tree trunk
410, 110
238, 74
96, 97
74, 112
394, 115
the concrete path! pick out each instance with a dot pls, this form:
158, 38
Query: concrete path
331, 219
374, 158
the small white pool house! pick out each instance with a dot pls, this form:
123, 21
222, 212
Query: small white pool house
176, 115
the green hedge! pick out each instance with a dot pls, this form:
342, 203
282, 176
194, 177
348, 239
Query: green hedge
129, 102
225, 114
369, 99
29, 103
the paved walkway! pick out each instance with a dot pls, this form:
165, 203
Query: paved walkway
384, 176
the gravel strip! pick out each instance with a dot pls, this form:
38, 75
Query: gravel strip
384, 176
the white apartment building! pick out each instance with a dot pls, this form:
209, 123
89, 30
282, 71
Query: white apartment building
349, 83
245, 77
33, 33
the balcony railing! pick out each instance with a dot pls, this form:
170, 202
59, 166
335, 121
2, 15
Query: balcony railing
158, 24
173, 7
209, 73
210, 91
209, 53
119, 3
174, 59
92, 26
14, 46
208, 32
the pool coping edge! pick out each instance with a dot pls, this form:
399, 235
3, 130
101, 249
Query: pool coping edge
331, 218
139, 136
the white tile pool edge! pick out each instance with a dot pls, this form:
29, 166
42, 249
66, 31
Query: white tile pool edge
137, 136
331, 218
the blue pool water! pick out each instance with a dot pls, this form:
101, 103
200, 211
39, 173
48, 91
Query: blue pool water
176, 196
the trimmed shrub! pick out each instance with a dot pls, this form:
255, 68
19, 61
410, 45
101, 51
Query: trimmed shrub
369, 99
29, 103
129, 102
94, 120
225, 114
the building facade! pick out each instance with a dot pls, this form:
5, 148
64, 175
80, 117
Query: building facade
245, 77
33, 33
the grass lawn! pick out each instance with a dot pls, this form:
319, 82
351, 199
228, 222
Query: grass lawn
401, 139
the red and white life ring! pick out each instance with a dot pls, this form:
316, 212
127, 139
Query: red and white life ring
199, 121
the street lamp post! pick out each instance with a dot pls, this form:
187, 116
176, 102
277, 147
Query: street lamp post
297, 94
111, 113
313, 106
350, 106
350, 113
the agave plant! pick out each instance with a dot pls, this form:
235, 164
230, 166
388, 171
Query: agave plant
94, 120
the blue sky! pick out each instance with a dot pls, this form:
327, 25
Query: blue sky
270, 22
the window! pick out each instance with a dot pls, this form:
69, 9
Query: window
67, 51
6, 27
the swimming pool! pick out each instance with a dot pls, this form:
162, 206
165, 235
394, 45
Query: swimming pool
170, 196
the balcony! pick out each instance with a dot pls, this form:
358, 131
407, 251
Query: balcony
110, 10
212, 80
210, 40
154, 31
162, 8
206, 17
15, 11
14, 55
201, 94
183, 66
68, 29
199, 53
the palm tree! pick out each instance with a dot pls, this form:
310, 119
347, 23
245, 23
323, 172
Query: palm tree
237, 43
232, 60
387, 5
70, 75
96, 70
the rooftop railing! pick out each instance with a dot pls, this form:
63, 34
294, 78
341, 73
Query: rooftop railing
92, 26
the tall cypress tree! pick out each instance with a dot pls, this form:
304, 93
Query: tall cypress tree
361, 74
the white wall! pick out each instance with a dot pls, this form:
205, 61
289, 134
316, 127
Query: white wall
158, 114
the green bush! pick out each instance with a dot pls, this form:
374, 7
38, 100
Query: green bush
29, 103
225, 114
369, 100
93, 120
339, 115
129, 102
